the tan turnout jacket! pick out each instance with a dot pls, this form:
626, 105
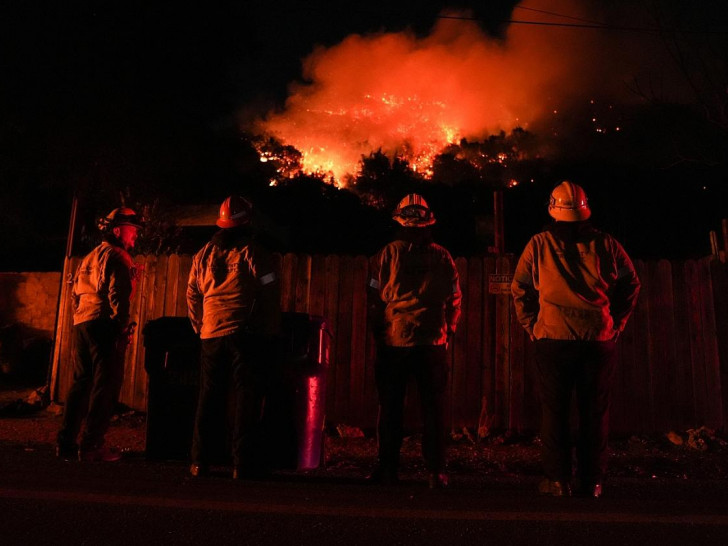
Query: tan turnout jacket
584, 290
415, 291
103, 285
231, 289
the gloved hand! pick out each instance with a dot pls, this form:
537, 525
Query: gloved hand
126, 336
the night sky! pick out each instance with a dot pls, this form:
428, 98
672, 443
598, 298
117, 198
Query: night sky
156, 94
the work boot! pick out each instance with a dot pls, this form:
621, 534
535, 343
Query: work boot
554, 488
591, 489
199, 470
100, 454
439, 480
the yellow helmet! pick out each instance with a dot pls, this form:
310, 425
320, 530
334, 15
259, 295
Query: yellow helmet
413, 211
568, 203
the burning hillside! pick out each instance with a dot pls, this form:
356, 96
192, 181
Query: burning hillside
411, 97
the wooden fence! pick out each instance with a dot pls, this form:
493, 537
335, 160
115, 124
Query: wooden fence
673, 357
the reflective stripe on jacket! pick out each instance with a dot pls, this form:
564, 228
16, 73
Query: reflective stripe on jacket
584, 290
102, 286
231, 289
419, 288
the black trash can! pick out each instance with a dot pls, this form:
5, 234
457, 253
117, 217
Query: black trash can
172, 362
295, 407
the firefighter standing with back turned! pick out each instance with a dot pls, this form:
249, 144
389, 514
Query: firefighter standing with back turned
574, 289
234, 305
102, 290
414, 306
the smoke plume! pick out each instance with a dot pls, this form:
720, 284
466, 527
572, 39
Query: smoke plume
411, 96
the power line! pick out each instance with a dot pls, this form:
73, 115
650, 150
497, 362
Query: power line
598, 26
560, 15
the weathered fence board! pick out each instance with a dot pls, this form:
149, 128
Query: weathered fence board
289, 271
317, 291
472, 289
331, 306
343, 335
184, 267
714, 417
135, 382
672, 370
173, 276
516, 412
459, 375
642, 365
661, 344
685, 403
502, 342
719, 274
358, 404
697, 349
487, 407
303, 285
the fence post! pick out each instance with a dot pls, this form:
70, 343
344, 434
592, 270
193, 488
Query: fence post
502, 343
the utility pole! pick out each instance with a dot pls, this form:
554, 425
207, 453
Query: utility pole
60, 313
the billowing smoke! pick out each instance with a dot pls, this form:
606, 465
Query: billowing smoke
411, 96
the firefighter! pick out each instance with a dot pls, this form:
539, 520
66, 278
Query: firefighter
414, 306
233, 303
102, 289
574, 289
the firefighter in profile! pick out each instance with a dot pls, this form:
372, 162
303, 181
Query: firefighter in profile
102, 289
574, 289
233, 303
414, 307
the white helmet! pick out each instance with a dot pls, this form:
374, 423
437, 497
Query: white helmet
568, 203
121, 216
413, 211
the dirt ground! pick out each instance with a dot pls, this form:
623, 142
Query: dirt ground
694, 454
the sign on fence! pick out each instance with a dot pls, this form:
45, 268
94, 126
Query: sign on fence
499, 283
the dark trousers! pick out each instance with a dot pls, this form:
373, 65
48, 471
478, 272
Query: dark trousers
428, 365
584, 367
236, 356
97, 378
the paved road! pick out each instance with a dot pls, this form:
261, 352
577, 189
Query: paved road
47, 501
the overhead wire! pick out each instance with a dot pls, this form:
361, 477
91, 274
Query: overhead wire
525, 8
588, 24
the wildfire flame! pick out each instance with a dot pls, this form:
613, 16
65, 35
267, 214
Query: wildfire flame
410, 97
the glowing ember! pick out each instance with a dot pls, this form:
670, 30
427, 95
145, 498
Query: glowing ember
410, 98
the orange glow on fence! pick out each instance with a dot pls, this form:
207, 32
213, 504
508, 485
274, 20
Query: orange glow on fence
410, 97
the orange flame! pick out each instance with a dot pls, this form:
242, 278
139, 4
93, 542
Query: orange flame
411, 97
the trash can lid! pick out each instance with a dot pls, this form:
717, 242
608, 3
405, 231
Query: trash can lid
169, 332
